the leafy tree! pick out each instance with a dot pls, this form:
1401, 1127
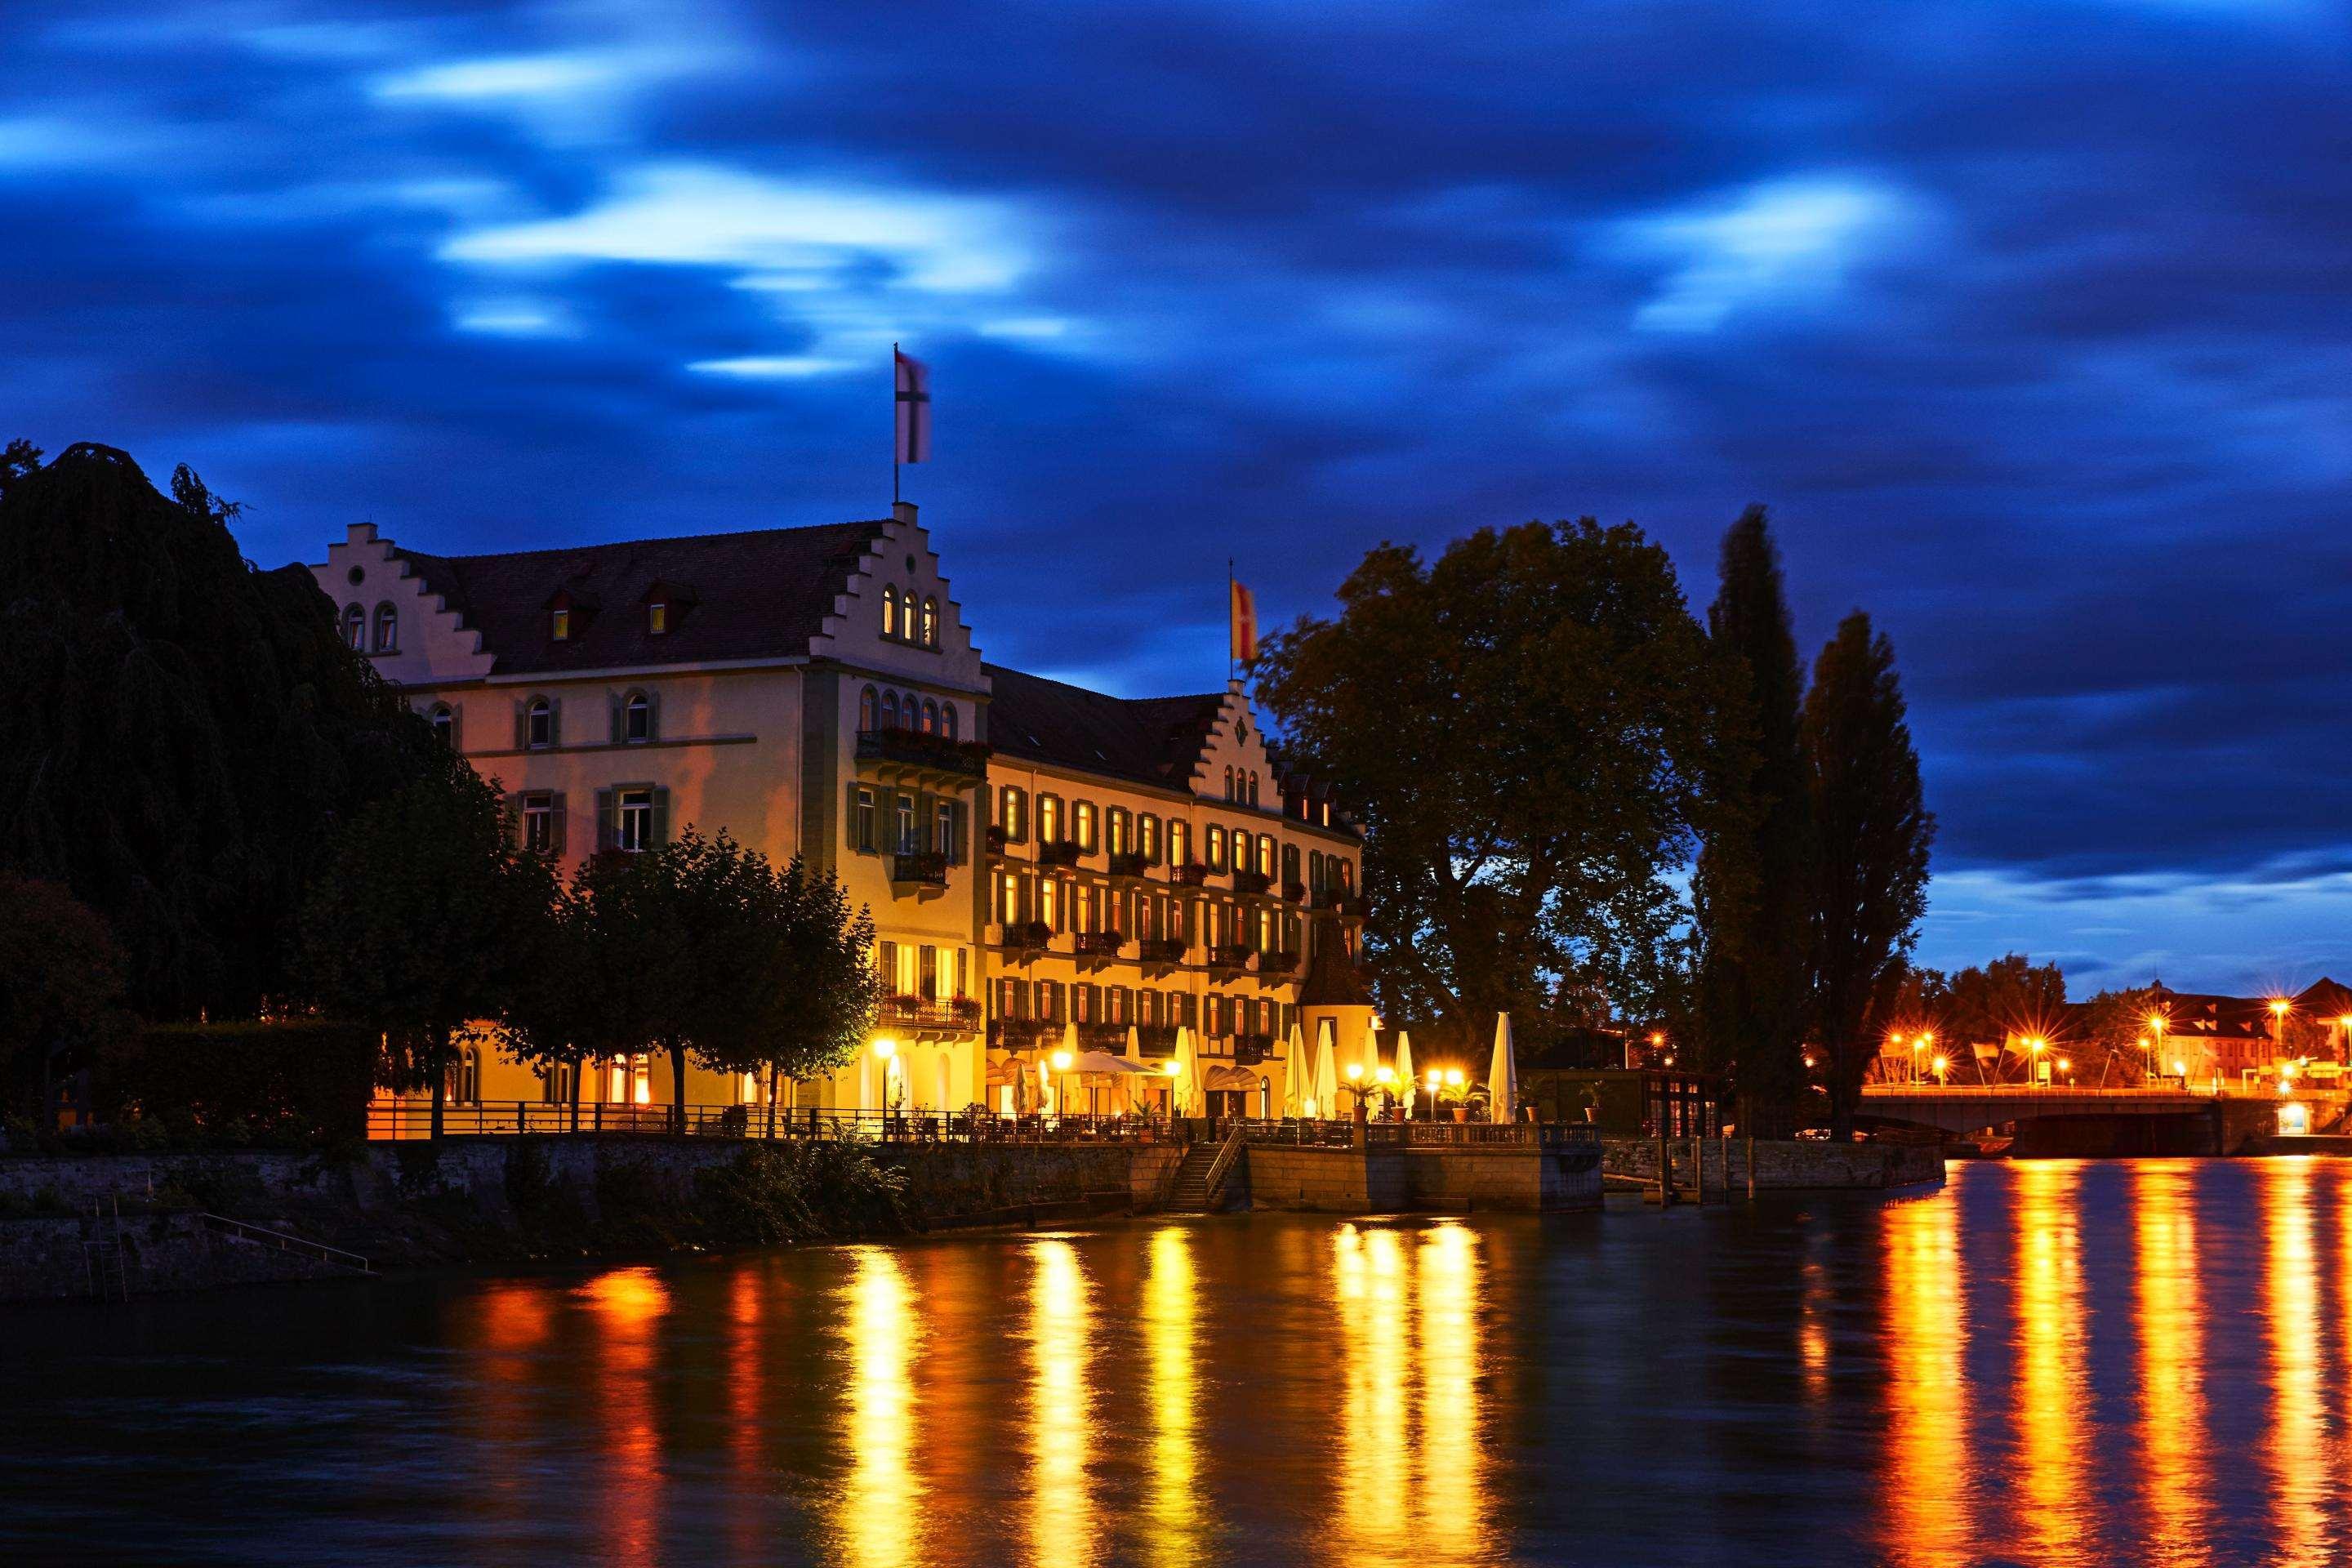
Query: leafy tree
1523, 727
61, 990
182, 732
568, 1011
1751, 891
425, 923
825, 989
1872, 832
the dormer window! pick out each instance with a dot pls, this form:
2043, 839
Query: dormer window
657, 618
559, 625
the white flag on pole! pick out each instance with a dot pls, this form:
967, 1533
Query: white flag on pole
914, 409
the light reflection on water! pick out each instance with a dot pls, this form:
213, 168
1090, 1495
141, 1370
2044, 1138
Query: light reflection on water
2051, 1362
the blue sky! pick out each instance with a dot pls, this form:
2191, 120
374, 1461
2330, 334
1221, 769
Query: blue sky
2032, 323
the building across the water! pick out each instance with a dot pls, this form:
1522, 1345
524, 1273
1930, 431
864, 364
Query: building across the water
1040, 858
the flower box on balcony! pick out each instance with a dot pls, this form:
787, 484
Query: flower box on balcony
912, 748
1065, 853
1295, 892
1230, 955
1099, 944
1251, 1049
1156, 1039
996, 841
927, 868
1161, 950
1252, 881
1129, 863
1027, 934
1279, 963
1192, 874
1337, 899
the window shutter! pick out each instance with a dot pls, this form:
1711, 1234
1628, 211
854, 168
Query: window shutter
661, 816
555, 720
522, 723
608, 821
849, 818
957, 830
555, 840
653, 715
457, 727
612, 705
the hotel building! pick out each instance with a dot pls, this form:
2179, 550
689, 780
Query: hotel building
1038, 857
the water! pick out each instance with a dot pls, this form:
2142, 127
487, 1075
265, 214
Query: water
2045, 1362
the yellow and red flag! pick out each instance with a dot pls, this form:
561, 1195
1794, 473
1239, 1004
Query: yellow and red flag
1242, 619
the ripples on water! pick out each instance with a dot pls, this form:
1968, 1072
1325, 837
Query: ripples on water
2046, 1361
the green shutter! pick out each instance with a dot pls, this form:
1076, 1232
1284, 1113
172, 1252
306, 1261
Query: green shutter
653, 715
849, 819
608, 821
522, 723
612, 708
555, 826
555, 722
661, 816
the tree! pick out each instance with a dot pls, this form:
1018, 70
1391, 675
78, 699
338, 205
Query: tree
1523, 728
1872, 833
687, 935
61, 990
425, 923
820, 986
1751, 891
182, 733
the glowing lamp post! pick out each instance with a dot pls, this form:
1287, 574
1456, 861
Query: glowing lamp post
1939, 1066
1061, 1060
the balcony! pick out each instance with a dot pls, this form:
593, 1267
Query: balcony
1024, 936
920, 868
1295, 892
1252, 882
1162, 951
950, 1016
1340, 899
1285, 962
925, 754
996, 841
1111, 1037
1127, 863
1023, 1034
1065, 853
1192, 874
1099, 944
1251, 1049
1231, 955
1156, 1039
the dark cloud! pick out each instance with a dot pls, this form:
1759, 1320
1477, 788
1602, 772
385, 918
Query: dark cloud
2034, 324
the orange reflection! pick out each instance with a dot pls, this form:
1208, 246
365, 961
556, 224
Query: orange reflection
510, 1319
2050, 1386
1375, 1484
1169, 1311
1061, 1424
2172, 1398
881, 1503
1452, 1522
1926, 1337
746, 1376
2298, 1457
626, 1307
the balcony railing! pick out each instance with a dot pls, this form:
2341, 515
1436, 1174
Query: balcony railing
996, 841
913, 749
1230, 955
1023, 1034
1103, 1037
1065, 853
1252, 881
1192, 874
1279, 963
1251, 1049
1025, 936
1099, 944
1127, 863
1338, 898
1160, 950
959, 1015
1156, 1039
926, 867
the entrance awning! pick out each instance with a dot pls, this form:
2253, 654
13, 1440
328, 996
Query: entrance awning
1230, 1078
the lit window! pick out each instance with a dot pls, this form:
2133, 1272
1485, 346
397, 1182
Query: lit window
387, 628
943, 833
1049, 819
931, 717
559, 625
869, 708
638, 719
1147, 839
634, 821
889, 710
1082, 825
657, 618
1180, 843
947, 720
538, 727
889, 610
1216, 847
930, 622
354, 628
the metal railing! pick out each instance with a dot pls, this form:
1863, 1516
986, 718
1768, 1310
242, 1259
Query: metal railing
415, 1120
957, 1015
1222, 1166
317, 1251
1340, 1133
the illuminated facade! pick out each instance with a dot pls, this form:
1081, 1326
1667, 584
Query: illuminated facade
1040, 859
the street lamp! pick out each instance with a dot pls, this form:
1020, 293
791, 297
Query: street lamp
1061, 1060
1942, 1066
1436, 1076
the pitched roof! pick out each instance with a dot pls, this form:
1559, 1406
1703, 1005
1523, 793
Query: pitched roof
2217, 1017
1151, 740
1332, 978
2324, 998
758, 595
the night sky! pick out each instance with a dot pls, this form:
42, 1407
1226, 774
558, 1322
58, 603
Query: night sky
2028, 321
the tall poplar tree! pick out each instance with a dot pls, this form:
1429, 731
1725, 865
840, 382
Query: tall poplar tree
1872, 833
1752, 893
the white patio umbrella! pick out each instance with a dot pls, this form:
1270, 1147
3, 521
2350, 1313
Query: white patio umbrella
1298, 1075
1503, 1074
1372, 1057
1134, 1055
1188, 1071
1070, 1045
1404, 1071
1326, 1072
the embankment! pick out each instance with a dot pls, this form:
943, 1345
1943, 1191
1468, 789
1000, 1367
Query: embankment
521, 1200
1796, 1164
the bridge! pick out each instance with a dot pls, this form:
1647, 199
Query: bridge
2065, 1119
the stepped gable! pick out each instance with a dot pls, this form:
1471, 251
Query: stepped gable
758, 594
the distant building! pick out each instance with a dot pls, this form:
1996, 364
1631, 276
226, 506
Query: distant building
2205, 1035
1036, 856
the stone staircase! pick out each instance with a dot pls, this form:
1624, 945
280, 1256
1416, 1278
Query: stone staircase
1189, 1191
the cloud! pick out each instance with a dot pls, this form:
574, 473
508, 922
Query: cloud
1783, 242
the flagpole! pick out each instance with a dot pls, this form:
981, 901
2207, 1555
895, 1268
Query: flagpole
894, 425
1229, 621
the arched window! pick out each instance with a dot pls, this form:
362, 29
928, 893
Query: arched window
387, 628
443, 720
538, 724
355, 627
870, 710
638, 718
1229, 784
930, 621
889, 710
1252, 786
889, 610
931, 717
947, 720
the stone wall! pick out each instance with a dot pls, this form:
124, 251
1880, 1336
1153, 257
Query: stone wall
52, 1257
1797, 1164
1389, 1181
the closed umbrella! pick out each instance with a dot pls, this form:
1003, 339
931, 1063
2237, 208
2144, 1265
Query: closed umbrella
1503, 1074
1326, 1072
1134, 1055
1070, 1047
1298, 1075
1404, 1071
1188, 1071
